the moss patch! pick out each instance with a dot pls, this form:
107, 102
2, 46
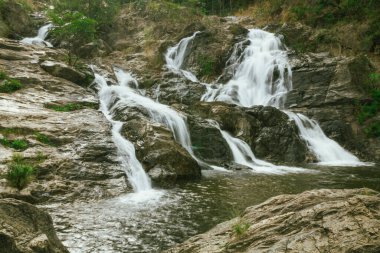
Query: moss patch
69, 107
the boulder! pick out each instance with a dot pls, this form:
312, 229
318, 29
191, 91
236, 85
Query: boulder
313, 221
26, 229
61, 70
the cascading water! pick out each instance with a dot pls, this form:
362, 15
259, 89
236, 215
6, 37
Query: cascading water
327, 151
243, 155
262, 76
126, 151
40, 38
158, 112
176, 55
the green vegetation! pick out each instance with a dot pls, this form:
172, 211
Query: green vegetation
207, 66
8, 85
44, 139
20, 173
69, 107
240, 228
17, 144
373, 130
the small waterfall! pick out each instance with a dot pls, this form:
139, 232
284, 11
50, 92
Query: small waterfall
176, 55
126, 151
243, 155
327, 150
262, 76
158, 112
40, 38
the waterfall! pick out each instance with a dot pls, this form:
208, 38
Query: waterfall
158, 112
40, 38
243, 155
126, 151
176, 55
327, 151
262, 76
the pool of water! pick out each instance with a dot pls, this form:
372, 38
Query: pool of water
156, 220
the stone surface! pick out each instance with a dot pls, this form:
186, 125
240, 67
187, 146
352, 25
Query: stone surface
81, 158
313, 221
27, 229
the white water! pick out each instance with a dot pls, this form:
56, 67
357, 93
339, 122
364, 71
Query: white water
176, 55
262, 76
327, 151
126, 151
40, 38
253, 81
243, 155
158, 112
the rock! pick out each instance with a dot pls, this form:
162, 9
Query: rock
25, 228
15, 21
313, 221
80, 154
156, 148
63, 71
267, 130
328, 90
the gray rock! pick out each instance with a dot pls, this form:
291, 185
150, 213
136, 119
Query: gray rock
313, 221
27, 229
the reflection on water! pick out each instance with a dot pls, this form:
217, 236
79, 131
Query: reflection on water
155, 220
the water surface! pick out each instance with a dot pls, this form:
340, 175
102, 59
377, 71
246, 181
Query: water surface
157, 219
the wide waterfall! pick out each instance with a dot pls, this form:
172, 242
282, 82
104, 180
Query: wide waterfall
40, 38
126, 151
175, 56
262, 76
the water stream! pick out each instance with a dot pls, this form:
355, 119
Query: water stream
176, 55
40, 38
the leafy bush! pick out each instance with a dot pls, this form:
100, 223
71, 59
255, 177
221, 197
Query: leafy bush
373, 130
17, 144
10, 85
3, 75
20, 173
207, 66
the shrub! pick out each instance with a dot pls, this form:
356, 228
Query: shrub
3, 75
207, 66
17, 144
20, 173
10, 85
43, 139
240, 228
373, 130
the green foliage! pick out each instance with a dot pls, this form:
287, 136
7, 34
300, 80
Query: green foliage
207, 66
240, 228
69, 107
17, 144
373, 130
44, 139
10, 85
3, 75
20, 173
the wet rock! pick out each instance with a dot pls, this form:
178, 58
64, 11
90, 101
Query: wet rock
61, 70
208, 143
157, 149
27, 229
267, 130
313, 221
